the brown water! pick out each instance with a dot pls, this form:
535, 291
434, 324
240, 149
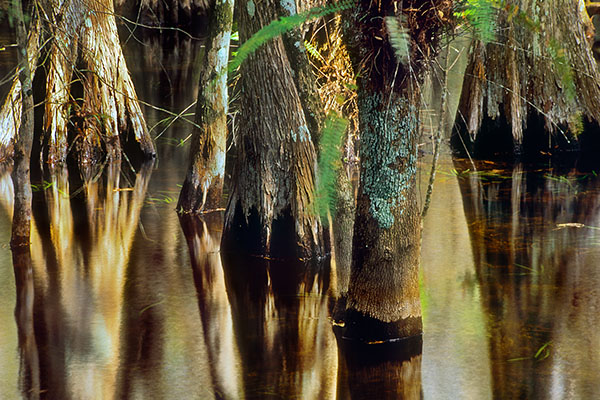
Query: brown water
120, 303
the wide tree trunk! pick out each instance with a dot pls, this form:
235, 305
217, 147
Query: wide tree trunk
383, 294
203, 186
271, 207
89, 93
535, 81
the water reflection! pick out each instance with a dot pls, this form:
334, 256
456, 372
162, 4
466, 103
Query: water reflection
535, 238
280, 311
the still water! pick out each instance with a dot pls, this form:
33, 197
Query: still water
121, 299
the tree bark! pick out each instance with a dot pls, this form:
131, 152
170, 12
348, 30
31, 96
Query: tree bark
203, 186
383, 294
100, 104
270, 211
21, 223
532, 79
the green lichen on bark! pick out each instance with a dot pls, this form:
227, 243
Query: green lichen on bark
389, 161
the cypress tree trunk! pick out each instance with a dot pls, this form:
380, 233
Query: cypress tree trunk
21, 223
203, 186
538, 78
383, 294
89, 92
270, 211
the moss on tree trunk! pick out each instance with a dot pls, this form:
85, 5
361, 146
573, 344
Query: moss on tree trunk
203, 186
383, 294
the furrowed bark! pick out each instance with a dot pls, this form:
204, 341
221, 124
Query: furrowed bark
86, 43
304, 78
271, 205
21, 223
538, 81
203, 186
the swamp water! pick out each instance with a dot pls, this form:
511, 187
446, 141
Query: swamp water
120, 303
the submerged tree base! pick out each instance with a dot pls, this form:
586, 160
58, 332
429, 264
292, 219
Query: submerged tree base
369, 330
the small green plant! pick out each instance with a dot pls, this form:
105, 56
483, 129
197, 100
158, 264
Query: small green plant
281, 26
480, 16
329, 163
399, 38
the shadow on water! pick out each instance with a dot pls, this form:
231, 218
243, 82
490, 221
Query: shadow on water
535, 237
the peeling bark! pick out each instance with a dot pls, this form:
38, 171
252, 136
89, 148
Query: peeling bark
271, 204
531, 79
85, 55
203, 186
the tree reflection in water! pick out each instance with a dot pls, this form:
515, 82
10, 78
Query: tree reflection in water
535, 235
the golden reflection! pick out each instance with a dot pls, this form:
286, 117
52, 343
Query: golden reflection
284, 336
204, 236
77, 267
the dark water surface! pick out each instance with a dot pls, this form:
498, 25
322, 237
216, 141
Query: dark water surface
124, 300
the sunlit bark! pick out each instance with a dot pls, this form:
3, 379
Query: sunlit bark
203, 186
89, 92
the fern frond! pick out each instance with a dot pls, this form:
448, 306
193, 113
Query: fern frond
281, 26
480, 16
312, 50
399, 38
329, 162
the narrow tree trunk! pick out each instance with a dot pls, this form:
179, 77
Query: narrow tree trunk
21, 224
270, 211
536, 82
10, 113
203, 186
343, 227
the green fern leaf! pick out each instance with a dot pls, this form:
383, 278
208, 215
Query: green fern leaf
281, 26
399, 38
329, 162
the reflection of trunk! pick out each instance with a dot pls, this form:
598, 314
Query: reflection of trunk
383, 295
531, 236
165, 13
215, 311
388, 371
203, 186
100, 103
530, 80
270, 208
280, 315
30, 372
80, 259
